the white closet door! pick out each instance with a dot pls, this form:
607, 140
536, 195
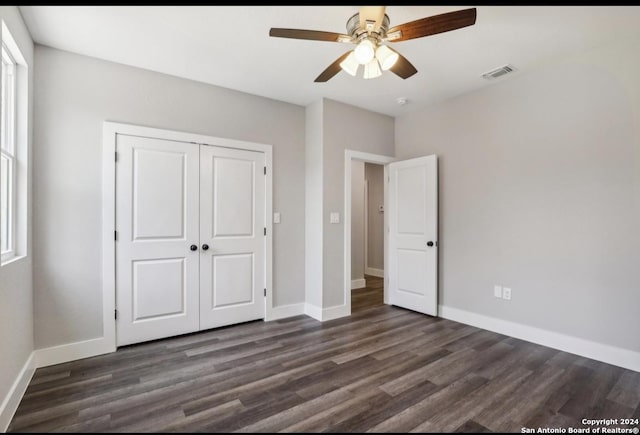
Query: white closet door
413, 228
157, 224
232, 222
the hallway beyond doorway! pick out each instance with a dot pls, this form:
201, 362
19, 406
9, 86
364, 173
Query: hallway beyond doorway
368, 297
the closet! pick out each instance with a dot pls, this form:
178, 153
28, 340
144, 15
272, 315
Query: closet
190, 240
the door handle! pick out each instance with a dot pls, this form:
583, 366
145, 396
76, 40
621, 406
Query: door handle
194, 247
205, 247
429, 243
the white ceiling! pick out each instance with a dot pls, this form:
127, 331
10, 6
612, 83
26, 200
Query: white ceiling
229, 46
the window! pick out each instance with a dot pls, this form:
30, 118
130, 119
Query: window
14, 150
8, 157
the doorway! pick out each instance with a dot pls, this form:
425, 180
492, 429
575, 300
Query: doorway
410, 231
367, 235
363, 298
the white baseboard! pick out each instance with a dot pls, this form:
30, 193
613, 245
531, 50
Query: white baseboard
324, 314
313, 311
46, 357
72, 351
358, 283
14, 396
335, 312
625, 358
285, 311
379, 273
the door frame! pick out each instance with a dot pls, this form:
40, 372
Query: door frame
350, 156
366, 224
110, 130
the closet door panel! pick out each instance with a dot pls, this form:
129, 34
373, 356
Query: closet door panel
157, 216
232, 221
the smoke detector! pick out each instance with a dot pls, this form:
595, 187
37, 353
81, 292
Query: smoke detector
401, 101
499, 72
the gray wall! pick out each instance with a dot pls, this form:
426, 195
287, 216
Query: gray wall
16, 294
539, 187
345, 127
357, 220
313, 204
74, 94
374, 174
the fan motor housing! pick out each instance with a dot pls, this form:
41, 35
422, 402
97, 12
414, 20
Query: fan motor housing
356, 32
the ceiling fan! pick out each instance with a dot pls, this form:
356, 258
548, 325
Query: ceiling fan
369, 28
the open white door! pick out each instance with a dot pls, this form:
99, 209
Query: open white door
156, 250
413, 229
232, 234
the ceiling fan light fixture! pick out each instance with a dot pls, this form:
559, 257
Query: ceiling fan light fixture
372, 69
364, 52
368, 30
386, 56
350, 65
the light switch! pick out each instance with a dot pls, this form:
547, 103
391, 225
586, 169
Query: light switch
497, 291
276, 217
335, 218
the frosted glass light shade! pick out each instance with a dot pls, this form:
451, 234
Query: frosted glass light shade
386, 56
350, 64
372, 69
364, 52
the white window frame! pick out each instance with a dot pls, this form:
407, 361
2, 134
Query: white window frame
8, 148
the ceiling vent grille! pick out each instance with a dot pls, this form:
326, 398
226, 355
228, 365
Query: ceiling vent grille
499, 72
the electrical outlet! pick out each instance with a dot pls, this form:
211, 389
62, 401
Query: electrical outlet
506, 293
497, 291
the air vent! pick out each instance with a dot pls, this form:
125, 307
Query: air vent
498, 72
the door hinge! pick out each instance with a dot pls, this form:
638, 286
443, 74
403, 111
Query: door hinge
115, 314
116, 157
115, 235
265, 231
265, 170
265, 292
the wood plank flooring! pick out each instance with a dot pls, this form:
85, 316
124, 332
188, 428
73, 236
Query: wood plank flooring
384, 369
367, 297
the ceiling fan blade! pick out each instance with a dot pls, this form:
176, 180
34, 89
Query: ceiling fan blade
432, 25
371, 13
314, 35
403, 68
332, 69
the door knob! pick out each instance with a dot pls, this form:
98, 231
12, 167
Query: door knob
193, 247
205, 247
429, 243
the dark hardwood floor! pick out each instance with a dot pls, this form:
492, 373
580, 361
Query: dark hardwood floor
384, 369
367, 297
